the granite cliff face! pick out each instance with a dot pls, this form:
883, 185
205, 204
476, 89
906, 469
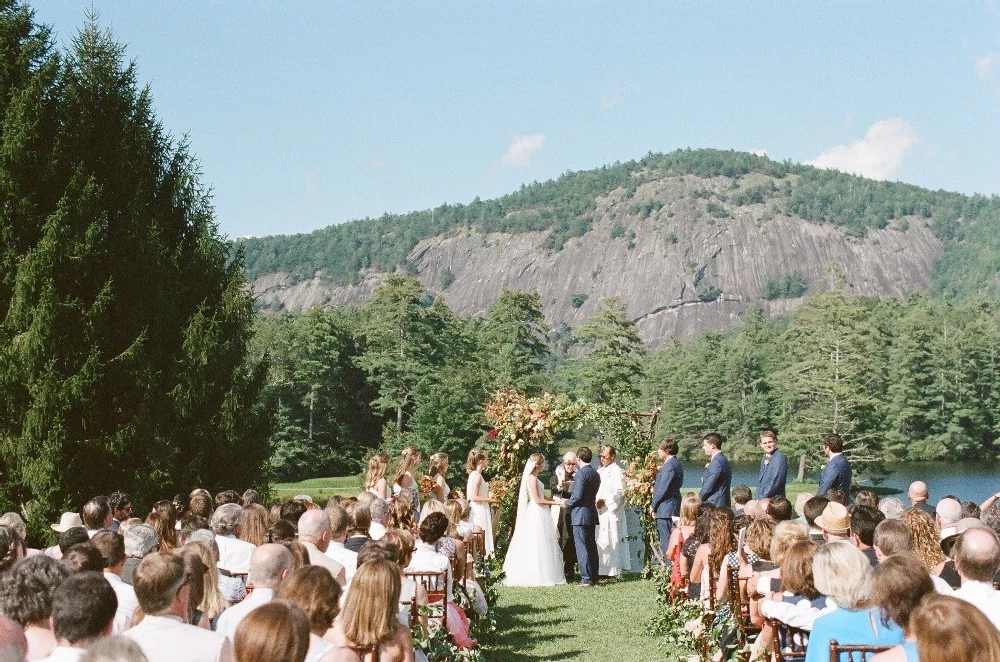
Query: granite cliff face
666, 259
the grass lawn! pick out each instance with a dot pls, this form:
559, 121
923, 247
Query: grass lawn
572, 623
320, 489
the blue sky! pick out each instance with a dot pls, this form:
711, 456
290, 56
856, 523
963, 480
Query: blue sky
305, 114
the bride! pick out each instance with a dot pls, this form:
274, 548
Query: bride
533, 558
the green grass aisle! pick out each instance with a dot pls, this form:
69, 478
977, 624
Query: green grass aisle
571, 623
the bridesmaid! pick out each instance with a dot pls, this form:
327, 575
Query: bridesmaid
403, 484
438, 468
375, 481
478, 494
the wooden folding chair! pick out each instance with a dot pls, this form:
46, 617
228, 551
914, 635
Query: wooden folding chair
739, 606
853, 653
787, 643
436, 585
705, 644
477, 539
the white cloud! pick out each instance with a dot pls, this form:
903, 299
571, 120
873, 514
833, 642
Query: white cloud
522, 148
759, 151
878, 155
609, 101
986, 65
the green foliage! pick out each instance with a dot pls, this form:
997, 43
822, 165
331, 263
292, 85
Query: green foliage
614, 361
578, 299
788, 286
126, 322
707, 292
512, 339
617, 231
716, 210
447, 278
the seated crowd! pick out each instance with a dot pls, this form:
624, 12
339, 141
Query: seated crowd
223, 578
917, 583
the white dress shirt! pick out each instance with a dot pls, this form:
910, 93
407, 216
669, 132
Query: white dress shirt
65, 654
425, 559
168, 639
127, 602
234, 554
983, 596
344, 557
230, 619
376, 530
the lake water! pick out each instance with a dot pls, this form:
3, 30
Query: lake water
974, 481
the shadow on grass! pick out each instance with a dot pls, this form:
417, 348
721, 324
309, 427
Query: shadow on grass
518, 632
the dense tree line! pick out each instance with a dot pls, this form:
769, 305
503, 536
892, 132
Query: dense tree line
125, 324
565, 207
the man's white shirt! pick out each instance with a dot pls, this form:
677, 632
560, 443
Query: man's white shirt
127, 602
230, 619
234, 554
425, 559
983, 596
168, 639
376, 530
65, 654
344, 557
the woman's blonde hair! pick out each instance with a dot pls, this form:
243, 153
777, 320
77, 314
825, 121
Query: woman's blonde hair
370, 611
409, 458
402, 542
538, 459
378, 465
843, 574
162, 517
277, 631
314, 589
475, 457
949, 628
255, 524
786, 534
453, 509
690, 507
925, 537
797, 569
400, 514
212, 602
432, 505
437, 462
758, 538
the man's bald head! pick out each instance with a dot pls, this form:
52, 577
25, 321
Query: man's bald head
977, 555
268, 565
313, 524
949, 511
917, 491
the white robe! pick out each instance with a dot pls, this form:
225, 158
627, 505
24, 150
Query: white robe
614, 552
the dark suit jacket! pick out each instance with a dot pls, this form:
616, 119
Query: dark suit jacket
836, 476
582, 505
715, 481
772, 476
667, 489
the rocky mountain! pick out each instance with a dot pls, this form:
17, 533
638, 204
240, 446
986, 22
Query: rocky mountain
689, 249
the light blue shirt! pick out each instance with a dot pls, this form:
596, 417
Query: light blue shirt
856, 628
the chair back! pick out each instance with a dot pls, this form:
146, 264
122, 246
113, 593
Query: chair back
477, 540
787, 643
436, 585
847, 653
739, 606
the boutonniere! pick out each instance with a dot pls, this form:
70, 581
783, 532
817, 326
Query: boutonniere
708, 464
767, 461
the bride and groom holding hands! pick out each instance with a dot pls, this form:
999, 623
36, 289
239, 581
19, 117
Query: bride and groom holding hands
534, 557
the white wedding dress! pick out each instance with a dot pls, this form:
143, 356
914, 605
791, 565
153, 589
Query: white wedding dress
533, 558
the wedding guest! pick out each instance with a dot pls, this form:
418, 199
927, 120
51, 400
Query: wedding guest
14, 521
837, 472
277, 631
112, 548
83, 608
256, 521
971, 510
401, 515
866, 498
478, 493
400, 543
898, 586
837, 496
947, 514
314, 534
613, 554
773, 468
375, 481
250, 496
666, 500
281, 531
799, 603
140, 540
438, 470
711, 553
717, 475
403, 483
83, 558
96, 515
336, 550
779, 509
741, 497
358, 522
66, 522
379, 511
917, 494
26, 597
951, 629
690, 508
115, 648
162, 518
215, 598
843, 574
121, 509
977, 560
314, 590
891, 507
926, 545
292, 511
800, 505
269, 566
689, 550
368, 621
835, 522
196, 573
234, 553
425, 556
161, 586
864, 519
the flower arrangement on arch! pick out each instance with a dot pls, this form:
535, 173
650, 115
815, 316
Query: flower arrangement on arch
639, 478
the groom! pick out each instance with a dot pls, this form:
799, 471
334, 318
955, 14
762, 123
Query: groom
582, 509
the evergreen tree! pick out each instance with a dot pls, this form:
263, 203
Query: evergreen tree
513, 341
613, 366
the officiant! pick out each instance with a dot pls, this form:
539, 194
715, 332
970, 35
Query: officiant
614, 552
561, 483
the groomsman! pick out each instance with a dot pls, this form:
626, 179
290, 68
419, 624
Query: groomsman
837, 473
667, 492
718, 474
773, 468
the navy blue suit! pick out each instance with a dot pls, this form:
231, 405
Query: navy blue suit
582, 509
772, 476
667, 498
836, 476
715, 481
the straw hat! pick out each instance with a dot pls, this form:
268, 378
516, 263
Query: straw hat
835, 519
66, 522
